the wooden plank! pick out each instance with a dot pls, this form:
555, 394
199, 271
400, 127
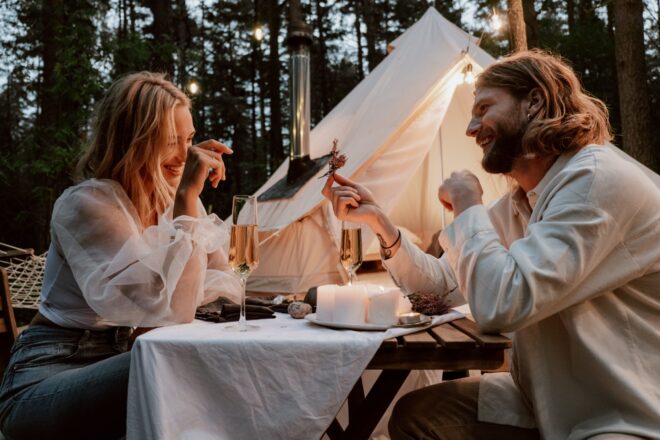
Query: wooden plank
18, 253
356, 399
389, 344
7, 312
420, 340
335, 431
439, 358
376, 403
449, 337
487, 340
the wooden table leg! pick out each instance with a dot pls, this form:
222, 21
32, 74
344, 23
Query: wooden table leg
366, 412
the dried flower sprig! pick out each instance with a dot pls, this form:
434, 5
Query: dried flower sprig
336, 161
428, 303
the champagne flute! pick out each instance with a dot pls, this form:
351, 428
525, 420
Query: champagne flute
351, 248
244, 248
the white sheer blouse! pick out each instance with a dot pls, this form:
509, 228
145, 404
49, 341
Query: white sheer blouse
103, 269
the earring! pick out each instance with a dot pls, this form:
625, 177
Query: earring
529, 117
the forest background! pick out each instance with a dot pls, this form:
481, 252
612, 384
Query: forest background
59, 56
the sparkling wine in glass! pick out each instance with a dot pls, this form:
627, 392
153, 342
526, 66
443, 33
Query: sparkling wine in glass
351, 248
244, 248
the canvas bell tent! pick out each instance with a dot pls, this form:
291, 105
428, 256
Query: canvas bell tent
403, 130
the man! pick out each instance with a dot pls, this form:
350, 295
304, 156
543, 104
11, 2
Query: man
569, 261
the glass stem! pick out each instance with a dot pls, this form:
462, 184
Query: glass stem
242, 322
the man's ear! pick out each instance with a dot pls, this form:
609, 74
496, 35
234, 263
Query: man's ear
534, 102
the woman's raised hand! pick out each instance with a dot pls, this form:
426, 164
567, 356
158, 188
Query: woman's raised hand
203, 161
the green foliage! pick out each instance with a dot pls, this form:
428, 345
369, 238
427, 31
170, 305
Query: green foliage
60, 55
51, 131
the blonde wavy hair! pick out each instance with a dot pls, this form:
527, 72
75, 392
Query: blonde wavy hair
133, 125
569, 119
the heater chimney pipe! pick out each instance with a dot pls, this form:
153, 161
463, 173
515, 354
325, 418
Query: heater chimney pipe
299, 41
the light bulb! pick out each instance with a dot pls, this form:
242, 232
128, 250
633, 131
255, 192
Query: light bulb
258, 33
193, 87
496, 22
468, 74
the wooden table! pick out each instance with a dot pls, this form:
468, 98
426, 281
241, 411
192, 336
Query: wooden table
457, 345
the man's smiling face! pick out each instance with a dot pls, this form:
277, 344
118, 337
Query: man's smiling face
498, 124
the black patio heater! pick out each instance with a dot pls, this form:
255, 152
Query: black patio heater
301, 166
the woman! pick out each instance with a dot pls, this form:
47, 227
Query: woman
131, 246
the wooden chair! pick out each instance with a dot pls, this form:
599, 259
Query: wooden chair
8, 329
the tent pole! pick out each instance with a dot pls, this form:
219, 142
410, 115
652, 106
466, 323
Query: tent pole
442, 178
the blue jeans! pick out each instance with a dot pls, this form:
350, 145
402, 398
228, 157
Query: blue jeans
66, 383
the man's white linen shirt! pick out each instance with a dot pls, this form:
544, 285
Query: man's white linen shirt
577, 279
104, 269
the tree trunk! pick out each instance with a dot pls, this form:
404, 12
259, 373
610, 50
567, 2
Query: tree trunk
48, 102
631, 76
358, 37
183, 39
531, 23
570, 16
260, 82
202, 128
323, 83
517, 31
585, 9
132, 15
610, 20
276, 147
161, 29
371, 34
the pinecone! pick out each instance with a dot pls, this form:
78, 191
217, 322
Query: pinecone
428, 303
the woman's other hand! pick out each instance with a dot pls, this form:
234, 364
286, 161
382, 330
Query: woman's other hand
203, 161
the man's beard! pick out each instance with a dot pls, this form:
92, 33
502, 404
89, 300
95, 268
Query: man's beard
506, 148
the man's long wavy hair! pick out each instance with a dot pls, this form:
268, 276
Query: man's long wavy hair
134, 125
569, 119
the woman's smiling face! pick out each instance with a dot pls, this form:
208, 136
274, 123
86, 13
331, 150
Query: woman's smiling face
174, 159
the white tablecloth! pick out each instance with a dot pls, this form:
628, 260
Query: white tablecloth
285, 381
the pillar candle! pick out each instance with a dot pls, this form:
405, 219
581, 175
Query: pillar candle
383, 308
325, 302
404, 305
350, 304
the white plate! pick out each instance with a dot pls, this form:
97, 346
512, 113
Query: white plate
312, 318
374, 327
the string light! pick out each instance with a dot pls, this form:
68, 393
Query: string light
496, 22
468, 74
258, 33
193, 87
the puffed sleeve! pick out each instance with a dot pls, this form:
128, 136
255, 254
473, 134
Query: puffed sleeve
219, 280
130, 276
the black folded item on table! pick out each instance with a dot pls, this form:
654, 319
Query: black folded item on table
224, 310
280, 307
